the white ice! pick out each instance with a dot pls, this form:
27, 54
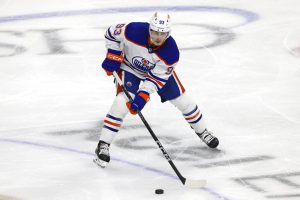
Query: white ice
54, 96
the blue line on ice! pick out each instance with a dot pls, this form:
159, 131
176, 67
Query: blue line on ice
65, 149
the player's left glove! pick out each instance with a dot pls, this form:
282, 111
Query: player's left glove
138, 103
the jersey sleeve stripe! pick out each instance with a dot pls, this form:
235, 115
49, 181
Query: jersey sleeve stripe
110, 35
111, 39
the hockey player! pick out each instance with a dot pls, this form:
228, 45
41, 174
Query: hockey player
145, 56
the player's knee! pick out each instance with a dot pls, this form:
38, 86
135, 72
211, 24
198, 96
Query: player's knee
184, 103
119, 108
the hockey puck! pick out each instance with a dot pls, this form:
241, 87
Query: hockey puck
159, 191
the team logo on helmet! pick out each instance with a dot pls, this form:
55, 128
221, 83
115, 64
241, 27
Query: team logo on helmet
142, 64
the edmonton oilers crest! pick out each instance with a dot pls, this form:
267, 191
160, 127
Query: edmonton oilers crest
142, 64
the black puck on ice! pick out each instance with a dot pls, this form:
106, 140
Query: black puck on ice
159, 191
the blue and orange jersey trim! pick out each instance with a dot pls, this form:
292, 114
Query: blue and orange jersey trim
110, 37
182, 89
157, 81
138, 33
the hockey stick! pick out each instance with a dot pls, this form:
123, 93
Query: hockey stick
187, 182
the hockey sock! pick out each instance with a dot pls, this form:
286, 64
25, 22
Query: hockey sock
114, 119
190, 111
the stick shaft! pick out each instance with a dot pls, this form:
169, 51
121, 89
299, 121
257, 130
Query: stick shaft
165, 153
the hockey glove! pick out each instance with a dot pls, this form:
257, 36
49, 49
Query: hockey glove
112, 61
138, 102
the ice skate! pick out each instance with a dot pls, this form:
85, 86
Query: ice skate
102, 154
208, 138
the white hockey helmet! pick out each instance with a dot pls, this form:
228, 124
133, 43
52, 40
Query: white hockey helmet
160, 22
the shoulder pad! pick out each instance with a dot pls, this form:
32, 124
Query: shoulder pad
169, 52
137, 32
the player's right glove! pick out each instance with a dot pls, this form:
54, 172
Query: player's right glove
112, 61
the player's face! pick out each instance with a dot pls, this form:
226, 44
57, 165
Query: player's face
158, 38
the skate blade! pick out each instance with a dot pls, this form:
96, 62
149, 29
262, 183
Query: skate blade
100, 163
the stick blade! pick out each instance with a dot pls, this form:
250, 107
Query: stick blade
195, 183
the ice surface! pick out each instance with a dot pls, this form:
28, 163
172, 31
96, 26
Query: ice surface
240, 61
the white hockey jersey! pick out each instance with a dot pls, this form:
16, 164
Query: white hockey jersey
154, 66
